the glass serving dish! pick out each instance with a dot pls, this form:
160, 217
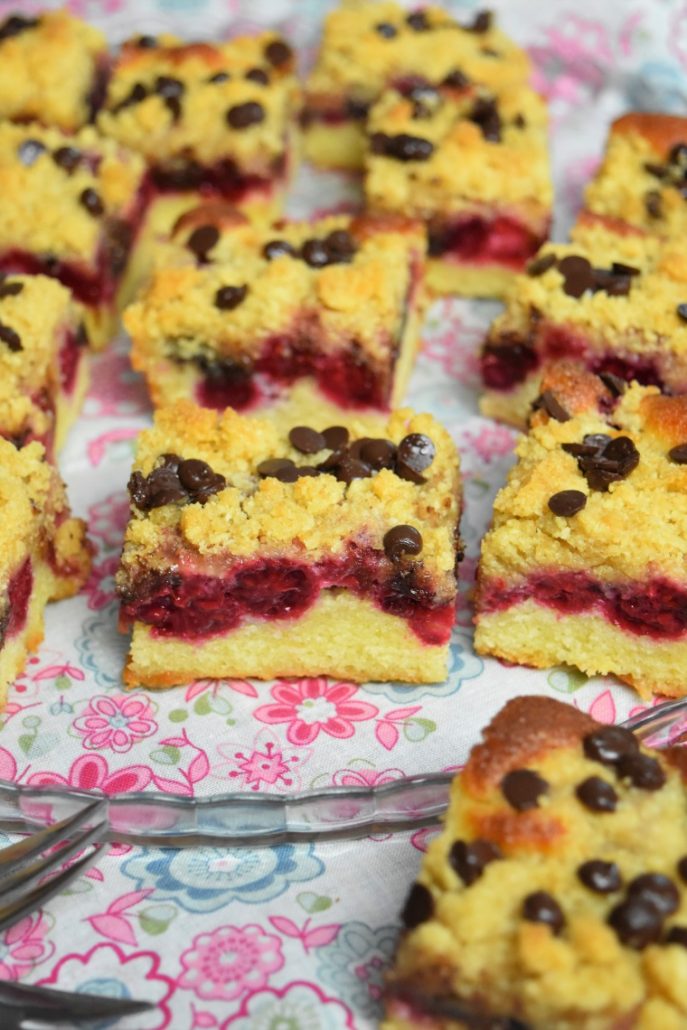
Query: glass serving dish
260, 819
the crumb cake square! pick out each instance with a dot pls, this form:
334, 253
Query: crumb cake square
473, 165
556, 894
368, 47
43, 360
53, 68
44, 554
71, 209
613, 299
215, 119
643, 176
294, 319
586, 560
251, 551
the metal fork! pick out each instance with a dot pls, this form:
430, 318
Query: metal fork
24, 1007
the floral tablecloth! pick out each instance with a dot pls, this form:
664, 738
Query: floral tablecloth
293, 937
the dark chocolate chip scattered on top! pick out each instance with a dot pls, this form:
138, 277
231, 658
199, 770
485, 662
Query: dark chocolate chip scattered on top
603, 460
202, 240
678, 454
541, 264
10, 337
386, 30
92, 201
307, 440
552, 406
278, 52
402, 147
470, 859
637, 922
522, 789
401, 541
656, 888
242, 116
610, 744
229, 297
642, 771
567, 502
597, 794
175, 480
29, 150
418, 908
541, 907
278, 248
599, 876
10, 289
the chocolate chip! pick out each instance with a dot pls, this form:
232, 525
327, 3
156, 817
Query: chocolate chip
541, 264
314, 252
553, 407
402, 147
357, 109
386, 30
682, 311
156, 490
613, 383
540, 907
643, 771
136, 95
481, 22
653, 203
620, 268
599, 876
171, 90
145, 42
67, 158
16, 24
592, 443
271, 466
658, 171
401, 541
615, 284
11, 338
277, 248
677, 155
10, 289
678, 454
219, 77
682, 869
92, 201
258, 75
349, 469
415, 454
611, 461
485, 114
307, 440
197, 477
417, 21
676, 935
288, 474
636, 922
470, 860
241, 116
522, 789
577, 275
202, 240
658, 890
609, 745
456, 79
278, 53
229, 297
29, 150
419, 907
597, 794
340, 246
379, 453
335, 437
567, 502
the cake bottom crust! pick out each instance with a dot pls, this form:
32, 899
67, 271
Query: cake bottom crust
341, 635
512, 406
340, 146
68, 405
530, 634
14, 652
448, 276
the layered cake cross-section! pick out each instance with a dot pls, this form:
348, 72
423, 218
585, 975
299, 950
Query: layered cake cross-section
556, 895
53, 69
613, 299
368, 47
44, 554
43, 360
330, 550
473, 165
298, 318
72, 205
586, 560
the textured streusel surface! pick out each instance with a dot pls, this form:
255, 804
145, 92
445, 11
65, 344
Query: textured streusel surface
33, 308
545, 899
49, 69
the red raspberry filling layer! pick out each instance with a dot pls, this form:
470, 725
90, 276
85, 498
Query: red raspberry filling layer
194, 606
69, 357
490, 241
18, 597
223, 179
656, 608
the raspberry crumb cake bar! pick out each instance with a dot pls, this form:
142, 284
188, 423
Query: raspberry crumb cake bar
295, 318
52, 69
43, 552
556, 895
71, 208
473, 165
586, 560
43, 360
252, 552
218, 119
612, 299
367, 47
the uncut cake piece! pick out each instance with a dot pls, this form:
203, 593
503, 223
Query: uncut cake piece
642, 180
53, 68
330, 550
556, 894
71, 207
44, 554
215, 119
296, 319
473, 165
43, 360
367, 47
613, 299
586, 560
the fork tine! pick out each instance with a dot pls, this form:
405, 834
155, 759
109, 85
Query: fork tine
45, 1005
15, 855
42, 892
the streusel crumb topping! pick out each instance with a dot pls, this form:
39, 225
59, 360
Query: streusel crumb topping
34, 313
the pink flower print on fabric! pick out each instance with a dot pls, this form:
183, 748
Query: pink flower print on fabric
91, 772
265, 764
107, 519
314, 706
100, 587
116, 722
24, 946
223, 965
298, 1006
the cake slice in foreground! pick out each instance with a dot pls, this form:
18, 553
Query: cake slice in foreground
44, 554
253, 552
586, 560
555, 895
